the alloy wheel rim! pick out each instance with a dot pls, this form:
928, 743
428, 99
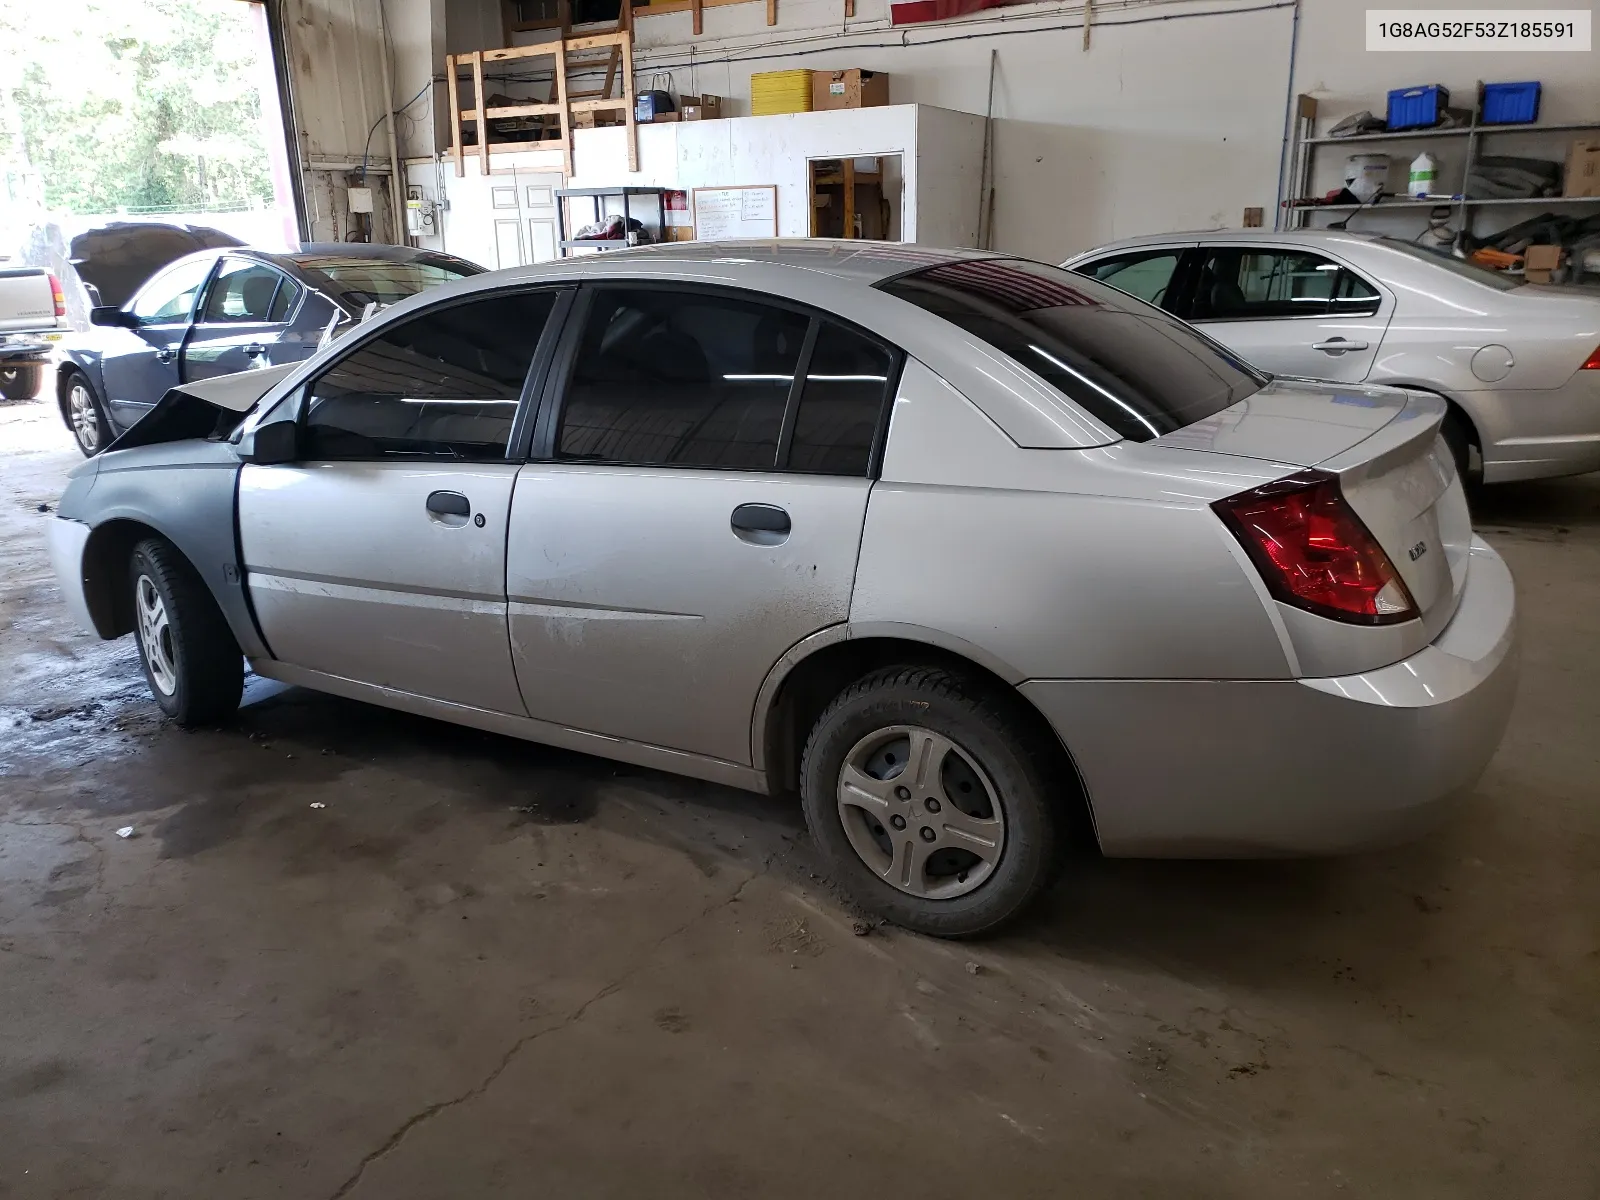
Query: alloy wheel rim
920, 812
155, 636
84, 423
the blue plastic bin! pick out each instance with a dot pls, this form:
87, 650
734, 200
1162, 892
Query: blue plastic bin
1510, 103
1417, 107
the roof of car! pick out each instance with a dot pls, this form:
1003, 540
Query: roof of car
859, 262
1308, 237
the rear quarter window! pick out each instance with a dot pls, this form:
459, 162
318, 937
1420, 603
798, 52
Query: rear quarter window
1139, 370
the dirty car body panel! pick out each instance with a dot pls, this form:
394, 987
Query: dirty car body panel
544, 539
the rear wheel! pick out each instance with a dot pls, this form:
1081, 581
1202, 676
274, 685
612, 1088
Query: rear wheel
84, 417
1458, 436
191, 662
20, 381
929, 803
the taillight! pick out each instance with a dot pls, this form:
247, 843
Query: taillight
59, 296
1593, 361
1315, 553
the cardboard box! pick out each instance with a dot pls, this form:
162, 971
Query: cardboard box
1583, 169
701, 108
1539, 261
664, 118
849, 89
595, 120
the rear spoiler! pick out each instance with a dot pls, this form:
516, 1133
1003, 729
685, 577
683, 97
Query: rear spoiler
204, 408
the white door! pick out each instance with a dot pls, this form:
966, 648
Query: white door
1290, 311
696, 514
380, 555
504, 219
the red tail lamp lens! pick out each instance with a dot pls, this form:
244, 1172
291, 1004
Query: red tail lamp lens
1315, 553
1592, 363
58, 296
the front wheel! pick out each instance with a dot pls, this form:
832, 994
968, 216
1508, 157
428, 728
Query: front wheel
927, 798
191, 661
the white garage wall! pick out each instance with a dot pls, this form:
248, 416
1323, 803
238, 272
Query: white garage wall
1138, 133
1172, 119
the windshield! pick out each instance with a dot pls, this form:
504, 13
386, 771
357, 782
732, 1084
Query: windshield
1454, 265
362, 281
1138, 369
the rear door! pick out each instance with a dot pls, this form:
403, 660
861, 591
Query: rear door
139, 365
244, 322
1289, 311
695, 510
381, 556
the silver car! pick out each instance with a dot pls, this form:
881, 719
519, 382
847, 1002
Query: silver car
1518, 364
980, 557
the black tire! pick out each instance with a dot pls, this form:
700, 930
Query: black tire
985, 730
1458, 437
85, 416
20, 381
196, 673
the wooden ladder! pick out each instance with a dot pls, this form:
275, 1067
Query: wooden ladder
563, 103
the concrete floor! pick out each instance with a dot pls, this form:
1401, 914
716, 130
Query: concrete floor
491, 969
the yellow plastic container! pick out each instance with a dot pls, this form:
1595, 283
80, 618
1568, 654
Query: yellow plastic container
773, 92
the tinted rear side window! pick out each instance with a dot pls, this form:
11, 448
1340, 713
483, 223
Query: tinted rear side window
680, 379
1139, 370
847, 385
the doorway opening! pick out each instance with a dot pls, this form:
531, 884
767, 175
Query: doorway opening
857, 197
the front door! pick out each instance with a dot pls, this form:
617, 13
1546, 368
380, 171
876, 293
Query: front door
697, 512
243, 321
1290, 312
139, 365
380, 557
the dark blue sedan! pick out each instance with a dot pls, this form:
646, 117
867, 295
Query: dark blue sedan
217, 312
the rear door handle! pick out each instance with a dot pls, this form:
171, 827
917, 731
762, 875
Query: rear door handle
762, 524
254, 350
1337, 345
449, 504
166, 356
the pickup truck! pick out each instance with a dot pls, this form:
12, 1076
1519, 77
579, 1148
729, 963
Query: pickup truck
33, 317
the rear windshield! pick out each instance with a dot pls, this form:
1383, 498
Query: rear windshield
1138, 369
1456, 266
363, 281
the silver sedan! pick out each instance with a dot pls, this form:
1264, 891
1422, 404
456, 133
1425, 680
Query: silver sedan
979, 557
1518, 364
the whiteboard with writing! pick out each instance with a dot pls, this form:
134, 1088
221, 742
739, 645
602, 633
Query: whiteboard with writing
735, 212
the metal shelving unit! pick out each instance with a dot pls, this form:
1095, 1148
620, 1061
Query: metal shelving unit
599, 195
1302, 156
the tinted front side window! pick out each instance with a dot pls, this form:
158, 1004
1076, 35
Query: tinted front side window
680, 379
1139, 370
444, 385
169, 297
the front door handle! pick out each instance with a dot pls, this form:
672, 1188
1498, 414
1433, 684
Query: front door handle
762, 524
254, 350
166, 356
1337, 345
449, 504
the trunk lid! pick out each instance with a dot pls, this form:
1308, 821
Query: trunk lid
1393, 467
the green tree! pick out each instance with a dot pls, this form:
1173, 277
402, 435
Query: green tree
138, 104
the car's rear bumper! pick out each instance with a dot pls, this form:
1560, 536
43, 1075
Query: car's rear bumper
1312, 766
66, 540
